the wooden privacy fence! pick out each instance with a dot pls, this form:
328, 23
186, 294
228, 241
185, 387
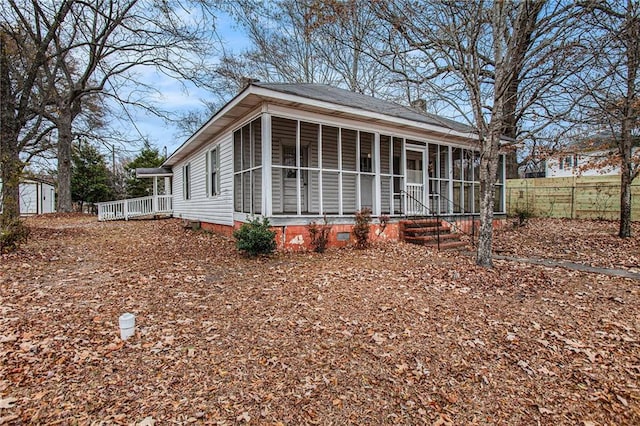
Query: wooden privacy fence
583, 197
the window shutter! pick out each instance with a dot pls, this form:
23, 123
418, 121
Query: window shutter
206, 173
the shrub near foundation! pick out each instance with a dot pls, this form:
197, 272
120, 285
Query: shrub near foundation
319, 234
255, 237
361, 228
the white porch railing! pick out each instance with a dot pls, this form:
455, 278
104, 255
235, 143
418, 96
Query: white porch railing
135, 207
415, 199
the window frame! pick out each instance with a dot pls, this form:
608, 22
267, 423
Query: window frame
186, 181
212, 162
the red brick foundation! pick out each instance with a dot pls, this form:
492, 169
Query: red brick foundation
225, 230
297, 238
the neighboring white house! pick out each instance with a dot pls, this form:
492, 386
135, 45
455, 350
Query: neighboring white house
586, 159
295, 152
36, 197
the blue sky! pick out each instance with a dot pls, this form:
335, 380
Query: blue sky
174, 97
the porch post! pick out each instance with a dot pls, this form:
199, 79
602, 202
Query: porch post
266, 165
154, 206
377, 185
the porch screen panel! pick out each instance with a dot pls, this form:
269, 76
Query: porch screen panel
330, 192
257, 191
385, 194
367, 168
290, 175
247, 172
397, 166
237, 192
366, 153
433, 173
476, 167
385, 152
246, 147
246, 192
444, 199
457, 164
468, 198
349, 193
256, 130
349, 149
276, 190
283, 132
309, 133
457, 196
330, 147
237, 151
456, 159
313, 190
498, 206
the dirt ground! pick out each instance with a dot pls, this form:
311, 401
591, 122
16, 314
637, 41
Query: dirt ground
396, 334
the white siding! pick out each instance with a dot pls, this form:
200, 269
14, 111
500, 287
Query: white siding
217, 209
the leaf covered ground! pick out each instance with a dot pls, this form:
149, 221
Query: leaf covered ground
396, 334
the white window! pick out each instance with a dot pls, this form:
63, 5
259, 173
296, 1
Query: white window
186, 181
568, 162
213, 172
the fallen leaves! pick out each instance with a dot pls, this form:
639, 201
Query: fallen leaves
392, 335
7, 402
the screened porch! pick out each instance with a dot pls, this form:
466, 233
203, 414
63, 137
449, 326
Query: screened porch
302, 168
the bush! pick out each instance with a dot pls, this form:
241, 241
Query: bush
523, 214
255, 237
319, 235
12, 236
361, 228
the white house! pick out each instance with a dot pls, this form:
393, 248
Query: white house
36, 197
295, 152
591, 158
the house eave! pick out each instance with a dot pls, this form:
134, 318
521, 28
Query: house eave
253, 95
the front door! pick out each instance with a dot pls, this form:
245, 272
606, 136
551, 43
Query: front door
416, 188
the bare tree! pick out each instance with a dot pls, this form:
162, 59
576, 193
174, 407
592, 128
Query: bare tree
23, 51
498, 61
611, 101
101, 45
309, 41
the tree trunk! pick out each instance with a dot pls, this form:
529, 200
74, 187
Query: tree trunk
625, 201
10, 164
10, 176
65, 140
488, 173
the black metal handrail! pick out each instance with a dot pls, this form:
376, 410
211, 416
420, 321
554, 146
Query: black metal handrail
447, 218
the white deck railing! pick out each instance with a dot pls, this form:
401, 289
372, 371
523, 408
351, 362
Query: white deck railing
135, 207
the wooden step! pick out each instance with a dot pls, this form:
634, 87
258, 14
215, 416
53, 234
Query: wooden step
422, 239
420, 222
429, 230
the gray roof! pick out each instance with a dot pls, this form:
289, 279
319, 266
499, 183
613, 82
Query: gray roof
326, 93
